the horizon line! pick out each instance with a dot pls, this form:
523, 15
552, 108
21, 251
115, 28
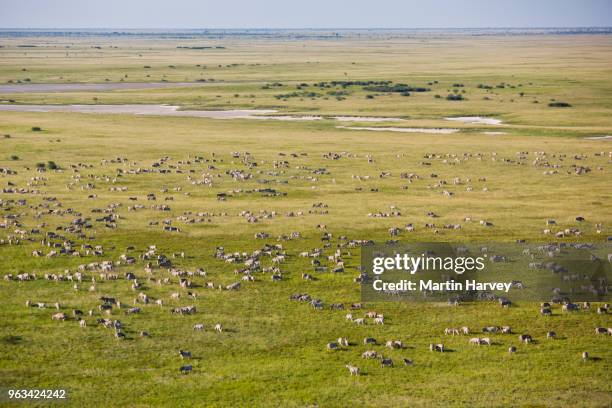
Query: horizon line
304, 28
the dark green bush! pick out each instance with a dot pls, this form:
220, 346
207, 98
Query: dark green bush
396, 88
559, 105
454, 97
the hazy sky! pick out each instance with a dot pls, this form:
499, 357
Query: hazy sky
303, 13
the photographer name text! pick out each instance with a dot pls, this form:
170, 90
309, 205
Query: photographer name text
422, 285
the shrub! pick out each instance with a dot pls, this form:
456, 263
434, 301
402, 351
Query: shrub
338, 93
302, 94
559, 105
395, 88
369, 96
36, 129
454, 97
14, 157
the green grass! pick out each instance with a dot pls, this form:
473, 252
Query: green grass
273, 353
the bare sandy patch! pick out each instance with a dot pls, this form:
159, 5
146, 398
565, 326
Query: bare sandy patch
366, 119
477, 120
606, 137
444, 131
160, 110
285, 117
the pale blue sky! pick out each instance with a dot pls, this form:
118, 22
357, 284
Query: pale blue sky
303, 13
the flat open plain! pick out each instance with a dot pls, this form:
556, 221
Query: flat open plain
157, 195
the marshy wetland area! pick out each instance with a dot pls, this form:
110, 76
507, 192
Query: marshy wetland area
182, 216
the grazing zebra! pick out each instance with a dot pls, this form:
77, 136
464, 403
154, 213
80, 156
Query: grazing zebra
601, 330
352, 369
393, 344
369, 354
436, 347
525, 338
386, 362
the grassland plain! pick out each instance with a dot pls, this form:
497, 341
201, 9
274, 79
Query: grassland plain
273, 351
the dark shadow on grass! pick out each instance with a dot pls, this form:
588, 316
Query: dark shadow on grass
12, 340
229, 330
